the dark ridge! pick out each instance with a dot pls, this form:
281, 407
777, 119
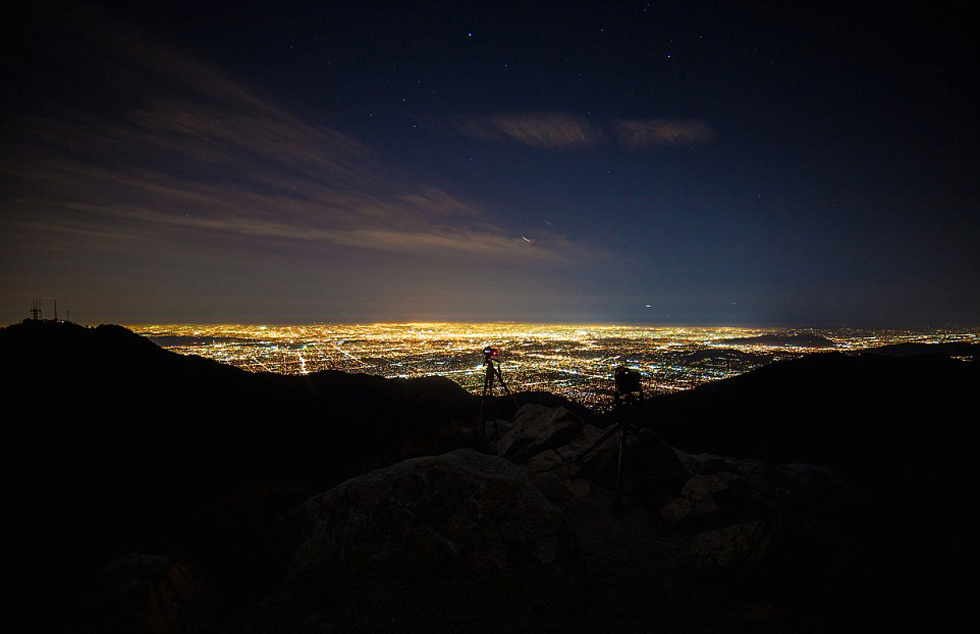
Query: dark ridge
799, 340
832, 409
189, 340
890, 426
953, 349
505, 407
723, 353
206, 410
132, 443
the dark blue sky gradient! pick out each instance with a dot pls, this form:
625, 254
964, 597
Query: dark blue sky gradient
679, 162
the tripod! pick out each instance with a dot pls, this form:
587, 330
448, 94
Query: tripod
626, 397
492, 363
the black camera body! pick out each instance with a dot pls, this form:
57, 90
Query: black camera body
490, 353
627, 381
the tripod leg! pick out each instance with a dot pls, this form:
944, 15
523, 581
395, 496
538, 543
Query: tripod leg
500, 377
621, 463
487, 391
609, 432
504, 385
619, 505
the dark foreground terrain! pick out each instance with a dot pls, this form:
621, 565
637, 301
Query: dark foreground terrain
153, 492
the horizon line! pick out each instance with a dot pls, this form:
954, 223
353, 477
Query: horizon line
531, 323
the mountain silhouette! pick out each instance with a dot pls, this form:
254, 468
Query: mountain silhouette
953, 349
797, 339
148, 472
827, 408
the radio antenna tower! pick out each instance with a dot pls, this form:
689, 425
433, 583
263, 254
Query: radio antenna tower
36, 309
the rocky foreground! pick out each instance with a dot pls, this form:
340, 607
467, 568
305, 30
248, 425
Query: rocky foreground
160, 493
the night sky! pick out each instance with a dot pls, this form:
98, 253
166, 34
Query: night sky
796, 164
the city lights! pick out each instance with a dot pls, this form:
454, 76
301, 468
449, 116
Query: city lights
575, 361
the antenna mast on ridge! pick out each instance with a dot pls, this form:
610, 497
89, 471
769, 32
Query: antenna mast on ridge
37, 308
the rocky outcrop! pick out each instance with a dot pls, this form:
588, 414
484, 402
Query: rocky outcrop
425, 542
562, 454
787, 526
147, 594
698, 497
710, 479
744, 545
537, 428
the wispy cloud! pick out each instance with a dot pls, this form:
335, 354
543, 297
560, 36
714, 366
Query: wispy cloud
194, 151
563, 131
646, 133
552, 130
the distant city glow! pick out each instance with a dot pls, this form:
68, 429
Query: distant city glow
574, 361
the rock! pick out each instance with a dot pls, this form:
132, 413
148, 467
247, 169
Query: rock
149, 594
558, 489
706, 463
785, 526
698, 497
537, 428
810, 491
494, 430
741, 545
720, 490
564, 472
426, 544
564, 460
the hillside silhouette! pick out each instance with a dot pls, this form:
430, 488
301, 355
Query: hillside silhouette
828, 408
793, 339
149, 472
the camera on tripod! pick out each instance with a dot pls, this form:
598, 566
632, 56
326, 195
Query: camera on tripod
492, 363
627, 381
627, 398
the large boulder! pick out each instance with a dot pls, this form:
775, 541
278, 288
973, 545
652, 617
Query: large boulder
744, 545
429, 543
147, 594
791, 528
698, 497
563, 455
714, 488
537, 428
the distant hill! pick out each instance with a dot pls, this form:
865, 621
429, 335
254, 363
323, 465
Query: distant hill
726, 354
796, 340
952, 349
166, 341
70, 370
828, 408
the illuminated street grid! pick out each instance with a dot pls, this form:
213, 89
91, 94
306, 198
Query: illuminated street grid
575, 361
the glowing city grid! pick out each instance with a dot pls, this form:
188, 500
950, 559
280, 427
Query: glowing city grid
576, 361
